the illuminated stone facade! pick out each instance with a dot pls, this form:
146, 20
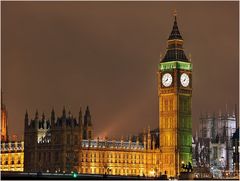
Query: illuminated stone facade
4, 134
11, 156
175, 93
119, 158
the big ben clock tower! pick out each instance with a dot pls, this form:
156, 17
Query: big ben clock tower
175, 100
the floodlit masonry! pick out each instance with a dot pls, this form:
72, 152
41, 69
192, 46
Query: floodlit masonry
11, 156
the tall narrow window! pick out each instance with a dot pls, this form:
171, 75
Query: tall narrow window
68, 139
75, 139
161, 104
171, 104
56, 156
44, 156
89, 134
166, 122
49, 156
166, 105
170, 122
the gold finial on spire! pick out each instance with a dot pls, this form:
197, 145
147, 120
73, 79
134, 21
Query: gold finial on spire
175, 12
175, 15
190, 57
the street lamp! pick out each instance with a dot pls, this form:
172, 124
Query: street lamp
152, 173
183, 166
74, 175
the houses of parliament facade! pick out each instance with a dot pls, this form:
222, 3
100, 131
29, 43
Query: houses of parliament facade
64, 144
12, 153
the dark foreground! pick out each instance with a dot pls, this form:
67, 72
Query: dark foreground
57, 176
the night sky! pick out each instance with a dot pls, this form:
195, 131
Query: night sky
105, 55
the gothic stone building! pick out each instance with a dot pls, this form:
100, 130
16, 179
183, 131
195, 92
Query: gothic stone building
215, 148
11, 156
66, 144
55, 143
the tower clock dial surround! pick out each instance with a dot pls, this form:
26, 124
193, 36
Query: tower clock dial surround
167, 79
184, 80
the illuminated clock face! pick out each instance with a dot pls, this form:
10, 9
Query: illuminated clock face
184, 80
167, 79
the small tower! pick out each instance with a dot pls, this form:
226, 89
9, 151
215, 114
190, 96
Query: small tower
80, 124
43, 121
80, 117
69, 114
36, 115
153, 143
26, 120
121, 141
87, 125
144, 139
137, 141
36, 120
30, 141
52, 118
64, 112
130, 141
149, 139
4, 130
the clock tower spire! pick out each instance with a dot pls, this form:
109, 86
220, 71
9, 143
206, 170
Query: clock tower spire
175, 95
175, 51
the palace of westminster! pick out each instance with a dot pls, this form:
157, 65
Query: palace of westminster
65, 143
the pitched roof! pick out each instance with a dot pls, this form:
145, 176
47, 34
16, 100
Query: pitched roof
175, 34
175, 50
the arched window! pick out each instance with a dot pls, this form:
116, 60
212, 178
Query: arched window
166, 104
166, 126
166, 159
170, 122
39, 156
171, 104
